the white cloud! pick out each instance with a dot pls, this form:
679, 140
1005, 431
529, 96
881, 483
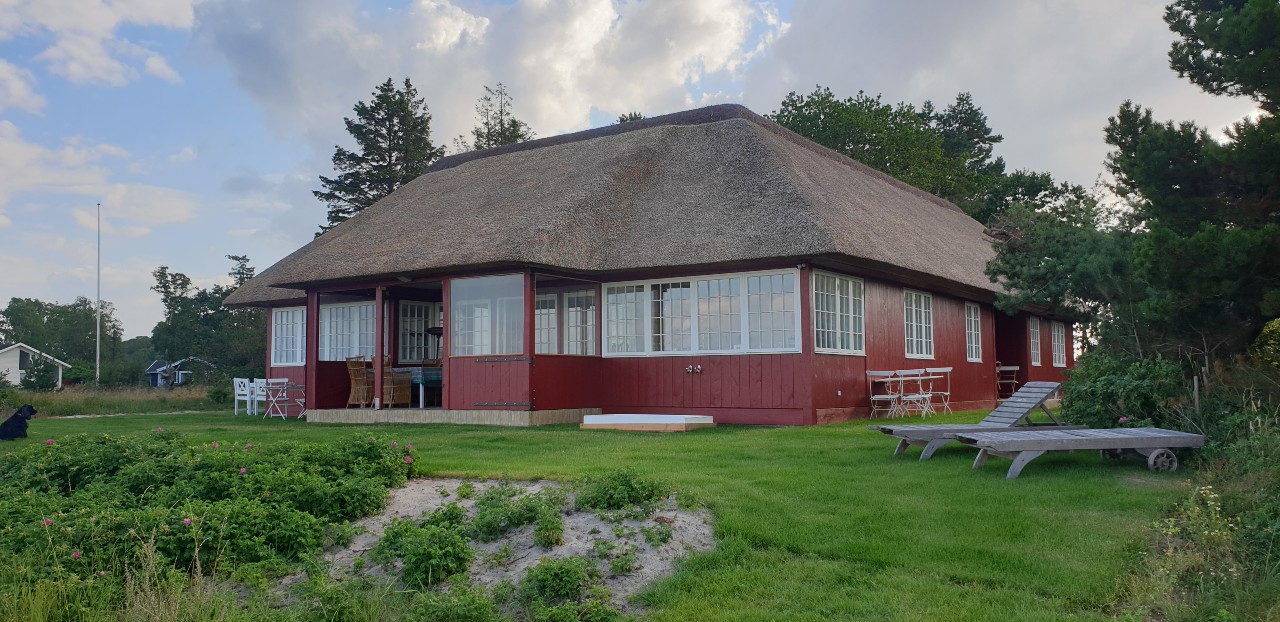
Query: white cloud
5, 221
86, 48
186, 154
17, 89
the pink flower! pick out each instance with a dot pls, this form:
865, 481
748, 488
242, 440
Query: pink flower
243, 470
48, 441
409, 446
186, 521
215, 444
47, 522
93, 519
1124, 420
395, 444
159, 429
75, 555
407, 459
102, 573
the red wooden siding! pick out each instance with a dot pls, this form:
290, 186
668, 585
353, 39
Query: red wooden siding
840, 389
1013, 347
487, 382
747, 388
562, 381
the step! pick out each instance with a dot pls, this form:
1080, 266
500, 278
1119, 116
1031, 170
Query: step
647, 423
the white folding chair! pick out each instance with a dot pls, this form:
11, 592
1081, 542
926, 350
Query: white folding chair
944, 396
244, 393
886, 400
259, 389
277, 391
914, 400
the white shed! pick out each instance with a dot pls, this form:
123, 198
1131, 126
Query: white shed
15, 358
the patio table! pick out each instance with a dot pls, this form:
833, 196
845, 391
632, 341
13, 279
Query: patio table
424, 377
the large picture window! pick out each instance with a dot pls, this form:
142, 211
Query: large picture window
918, 324
1033, 333
288, 331
346, 330
973, 332
1058, 340
720, 314
416, 345
837, 314
487, 315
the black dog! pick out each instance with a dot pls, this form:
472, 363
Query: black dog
16, 426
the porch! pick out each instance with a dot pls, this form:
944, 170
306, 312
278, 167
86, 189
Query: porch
510, 418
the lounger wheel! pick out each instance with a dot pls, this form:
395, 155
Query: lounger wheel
1162, 460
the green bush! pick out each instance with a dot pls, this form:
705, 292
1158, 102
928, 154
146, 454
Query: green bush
41, 375
434, 553
499, 510
618, 490
548, 528
1266, 349
449, 515
1108, 390
459, 604
555, 581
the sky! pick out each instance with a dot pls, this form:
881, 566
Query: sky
202, 126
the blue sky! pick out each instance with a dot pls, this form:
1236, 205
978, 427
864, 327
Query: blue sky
202, 125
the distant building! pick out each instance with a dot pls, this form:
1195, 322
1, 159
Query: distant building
15, 359
155, 374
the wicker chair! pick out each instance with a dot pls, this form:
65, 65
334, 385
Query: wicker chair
361, 382
397, 386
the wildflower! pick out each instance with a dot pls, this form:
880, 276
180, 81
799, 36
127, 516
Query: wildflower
395, 444
159, 430
1124, 420
47, 522
48, 441
75, 555
93, 519
407, 459
243, 470
409, 446
215, 444
186, 521
102, 573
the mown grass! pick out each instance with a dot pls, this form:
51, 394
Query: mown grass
813, 523
84, 400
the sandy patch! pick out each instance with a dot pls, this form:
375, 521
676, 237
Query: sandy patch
585, 535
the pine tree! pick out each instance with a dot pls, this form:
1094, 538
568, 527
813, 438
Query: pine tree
393, 134
496, 124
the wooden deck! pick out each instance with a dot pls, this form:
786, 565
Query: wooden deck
510, 418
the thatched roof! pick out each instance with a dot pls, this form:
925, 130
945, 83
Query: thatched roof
717, 185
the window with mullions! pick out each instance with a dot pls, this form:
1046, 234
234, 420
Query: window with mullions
346, 330
487, 315
624, 318
1033, 332
670, 317
973, 332
728, 314
545, 324
719, 314
837, 314
1058, 340
918, 324
415, 318
771, 311
288, 343
580, 322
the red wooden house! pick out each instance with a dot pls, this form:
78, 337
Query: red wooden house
705, 262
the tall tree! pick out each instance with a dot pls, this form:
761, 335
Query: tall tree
496, 123
393, 137
629, 117
196, 324
1197, 244
65, 331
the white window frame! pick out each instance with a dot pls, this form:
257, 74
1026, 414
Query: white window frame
362, 341
298, 323
546, 324
1058, 343
571, 326
1033, 339
646, 315
432, 314
856, 314
973, 332
925, 326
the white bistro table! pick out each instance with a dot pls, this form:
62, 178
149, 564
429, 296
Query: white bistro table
898, 408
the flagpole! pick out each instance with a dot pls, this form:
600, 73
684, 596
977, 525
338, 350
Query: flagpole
97, 346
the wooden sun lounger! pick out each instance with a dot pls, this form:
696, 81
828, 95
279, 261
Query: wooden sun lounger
1012, 413
1024, 446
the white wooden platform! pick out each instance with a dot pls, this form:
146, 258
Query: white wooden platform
647, 423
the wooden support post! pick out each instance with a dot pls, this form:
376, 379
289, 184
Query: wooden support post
378, 321
311, 346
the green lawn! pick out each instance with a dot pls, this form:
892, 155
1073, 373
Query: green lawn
813, 523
